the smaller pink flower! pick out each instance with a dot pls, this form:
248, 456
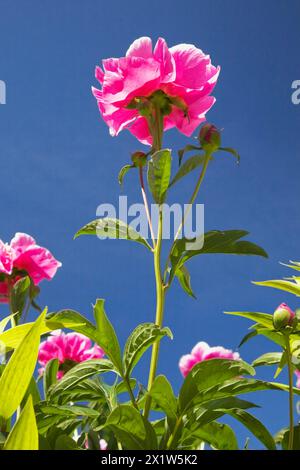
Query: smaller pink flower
102, 444
69, 349
37, 261
6, 262
203, 352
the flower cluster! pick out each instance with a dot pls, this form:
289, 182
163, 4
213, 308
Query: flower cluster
23, 256
202, 352
69, 349
183, 72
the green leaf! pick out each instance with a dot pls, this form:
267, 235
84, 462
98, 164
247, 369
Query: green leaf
296, 440
247, 337
163, 395
187, 148
24, 435
218, 435
206, 375
64, 442
19, 295
50, 375
232, 151
188, 167
131, 428
159, 172
4, 322
274, 336
184, 279
225, 242
106, 336
78, 374
287, 286
142, 337
18, 372
72, 320
268, 359
255, 426
112, 228
264, 319
123, 172
282, 363
69, 410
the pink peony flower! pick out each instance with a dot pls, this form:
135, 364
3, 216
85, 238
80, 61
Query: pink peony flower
183, 72
69, 349
23, 254
203, 352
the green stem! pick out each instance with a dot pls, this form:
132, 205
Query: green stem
194, 195
190, 203
129, 389
144, 195
291, 393
174, 433
160, 301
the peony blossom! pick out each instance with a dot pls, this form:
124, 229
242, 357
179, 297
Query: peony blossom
183, 72
24, 255
203, 352
69, 349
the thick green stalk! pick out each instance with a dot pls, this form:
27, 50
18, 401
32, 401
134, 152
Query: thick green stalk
156, 129
291, 393
160, 301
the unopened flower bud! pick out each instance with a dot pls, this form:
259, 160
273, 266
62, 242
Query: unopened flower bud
210, 138
283, 316
139, 159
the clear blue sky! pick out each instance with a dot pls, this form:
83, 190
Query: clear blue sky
58, 162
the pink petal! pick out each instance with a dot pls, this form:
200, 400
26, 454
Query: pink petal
6, 258
186, 364
199, 350
163, 55
141, 47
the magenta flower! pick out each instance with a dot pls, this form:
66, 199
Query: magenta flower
69, 349
183, 72
203, 352
24, 255
102, 444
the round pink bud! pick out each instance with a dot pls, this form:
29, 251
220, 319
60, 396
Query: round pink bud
283, 316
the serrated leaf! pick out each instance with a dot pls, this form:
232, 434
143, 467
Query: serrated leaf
158, 175
112, 228
18, 372
191, 164
142, 337
24, 435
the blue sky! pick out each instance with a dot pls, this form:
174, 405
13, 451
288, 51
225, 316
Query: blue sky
58, 162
